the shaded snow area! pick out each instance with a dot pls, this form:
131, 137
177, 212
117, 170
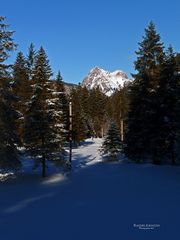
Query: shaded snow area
96, 200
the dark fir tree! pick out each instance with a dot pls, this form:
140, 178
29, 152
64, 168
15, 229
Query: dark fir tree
31, 59
112, 143
79, 126
84, 99
6, 44
89, 113
98, 111
8, 150
118, 105
143, 97
165, 131
58, 113
178, 61
62, 105
21, 89
39, 136
178, 105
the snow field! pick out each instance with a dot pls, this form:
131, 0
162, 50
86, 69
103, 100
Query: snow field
95, 200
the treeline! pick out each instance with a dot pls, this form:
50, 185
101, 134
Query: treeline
146, 110
153, 122
93, 111
34, 107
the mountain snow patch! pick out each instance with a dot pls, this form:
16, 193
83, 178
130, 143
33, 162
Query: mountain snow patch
106, 81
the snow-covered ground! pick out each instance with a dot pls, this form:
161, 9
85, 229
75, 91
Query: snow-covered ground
94, 201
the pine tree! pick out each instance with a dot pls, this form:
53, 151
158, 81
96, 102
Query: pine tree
38, 122
31, 59
118, 106
89, 113
143, 97
8, 143
177, 74
58, 113
21, 89
79, 126
62, 104
112, 143
86, 105
6, 44
165, 133
98, 111
178, 61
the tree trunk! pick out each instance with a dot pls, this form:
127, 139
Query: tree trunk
43, 165
102, 132
43, 159
173, 157
122, 131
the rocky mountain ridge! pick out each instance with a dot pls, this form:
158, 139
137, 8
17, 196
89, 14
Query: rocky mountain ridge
106, 81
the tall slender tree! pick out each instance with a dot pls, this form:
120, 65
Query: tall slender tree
38, 135
118, 106
7, 43
31, 59
21, 88
58, 114
79, 132
98, 111
178, 104
143, 97
62, 104
165, 133
8, 144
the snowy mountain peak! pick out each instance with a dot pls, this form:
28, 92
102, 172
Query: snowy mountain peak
107, 81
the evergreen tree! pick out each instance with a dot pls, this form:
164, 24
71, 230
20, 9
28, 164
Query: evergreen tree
178, 61
20, 73
98, 111
177, 74
62, 104
79, 132
21, 89
6, 44
86, 107
89, 113
31, 59
58, 113
118, 106
112, 143
39, 135
8, 150
165, 133
143, 97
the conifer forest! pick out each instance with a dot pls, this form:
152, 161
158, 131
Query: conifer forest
47, 123
35, 107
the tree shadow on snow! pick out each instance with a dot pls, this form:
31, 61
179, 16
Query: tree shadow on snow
85, 143
80, 161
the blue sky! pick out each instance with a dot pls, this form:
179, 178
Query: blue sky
79, 35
